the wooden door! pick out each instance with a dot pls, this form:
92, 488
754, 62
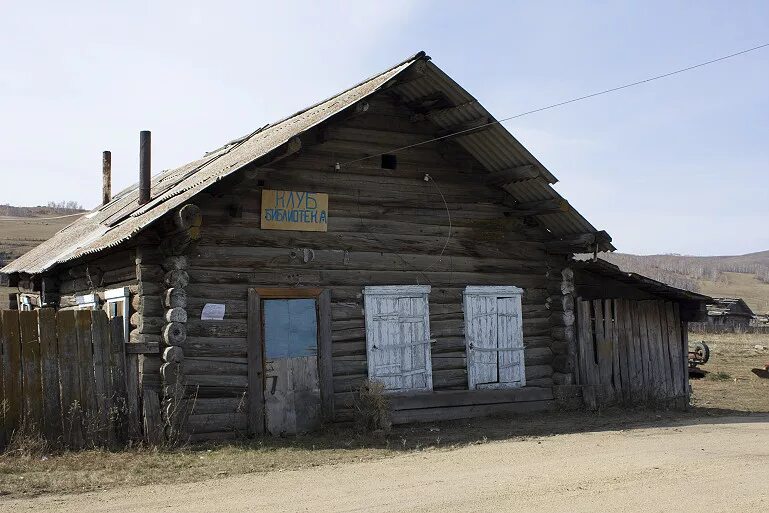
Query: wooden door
292, 402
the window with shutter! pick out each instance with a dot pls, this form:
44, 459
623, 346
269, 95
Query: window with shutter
494, 337
398, 337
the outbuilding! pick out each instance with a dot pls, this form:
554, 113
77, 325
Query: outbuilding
728, 314
394, 232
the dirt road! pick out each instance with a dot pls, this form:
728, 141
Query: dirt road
718, 464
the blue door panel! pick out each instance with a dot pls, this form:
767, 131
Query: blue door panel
290, 328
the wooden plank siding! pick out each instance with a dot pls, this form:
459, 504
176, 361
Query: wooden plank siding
385, 227
635, 355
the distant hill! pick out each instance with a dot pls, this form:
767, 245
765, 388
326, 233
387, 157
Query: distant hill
23, 228
745, 276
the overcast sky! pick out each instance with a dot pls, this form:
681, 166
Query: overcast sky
680, 165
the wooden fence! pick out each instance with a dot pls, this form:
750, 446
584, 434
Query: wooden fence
632, 352
63, 374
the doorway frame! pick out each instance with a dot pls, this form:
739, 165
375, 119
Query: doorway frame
255, 350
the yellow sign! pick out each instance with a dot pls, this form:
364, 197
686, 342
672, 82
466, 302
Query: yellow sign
292, 210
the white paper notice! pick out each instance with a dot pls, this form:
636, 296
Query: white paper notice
212, 312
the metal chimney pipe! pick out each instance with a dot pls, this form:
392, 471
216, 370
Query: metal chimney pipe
106, 174
145, 167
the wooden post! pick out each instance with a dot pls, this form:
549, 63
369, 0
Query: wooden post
106, 172
255, 365
325, 356
49, 355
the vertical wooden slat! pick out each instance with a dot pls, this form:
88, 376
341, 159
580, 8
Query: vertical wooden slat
85, 363
132, 395
325, 355
610, 322
643, 338
663, 363
118, 431
655, 349
3, 401
588, 370
12, 364
100, 347
69, 377
623, 343
676, 352
665, 351
603, 350
32, 389
634, 361
153, 427
49, 355
255, 364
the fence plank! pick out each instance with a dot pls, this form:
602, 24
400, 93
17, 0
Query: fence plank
612, 331
643, 339
117, 358
603, 350
100, 347
132, 395
153, 427
655, 346
588, 369
69, 377
85, 362
3, 403
52, 426
12, 366
665, 350
32, 388
623, 343
676, 353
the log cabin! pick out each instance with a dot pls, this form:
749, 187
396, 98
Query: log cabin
394, 233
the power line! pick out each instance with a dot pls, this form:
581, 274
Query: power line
560, 104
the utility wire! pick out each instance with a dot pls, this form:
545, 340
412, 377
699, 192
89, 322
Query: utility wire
560, 104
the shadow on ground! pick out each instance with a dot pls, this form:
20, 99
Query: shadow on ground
448, 434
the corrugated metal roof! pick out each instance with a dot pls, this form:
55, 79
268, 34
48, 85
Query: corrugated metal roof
729, 306
123, 217
495, 148
604, 268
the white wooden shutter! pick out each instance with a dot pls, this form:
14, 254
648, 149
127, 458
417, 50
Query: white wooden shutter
494, 337
398, 337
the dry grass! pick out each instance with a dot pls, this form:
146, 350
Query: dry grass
747, 286
32, 472
90, 470
730, 382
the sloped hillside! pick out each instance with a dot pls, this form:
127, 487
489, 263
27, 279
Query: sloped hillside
745, 276
23, 228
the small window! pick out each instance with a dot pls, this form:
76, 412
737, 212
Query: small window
389, 161
494, 337
118, 305
87, 302
398, 337
28, 302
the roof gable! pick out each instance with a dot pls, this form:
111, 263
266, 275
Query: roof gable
490, 143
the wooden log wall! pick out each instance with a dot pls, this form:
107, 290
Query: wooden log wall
385, 227
181, 231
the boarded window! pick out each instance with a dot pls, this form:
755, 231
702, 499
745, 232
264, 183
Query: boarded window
398, 337
494, 337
